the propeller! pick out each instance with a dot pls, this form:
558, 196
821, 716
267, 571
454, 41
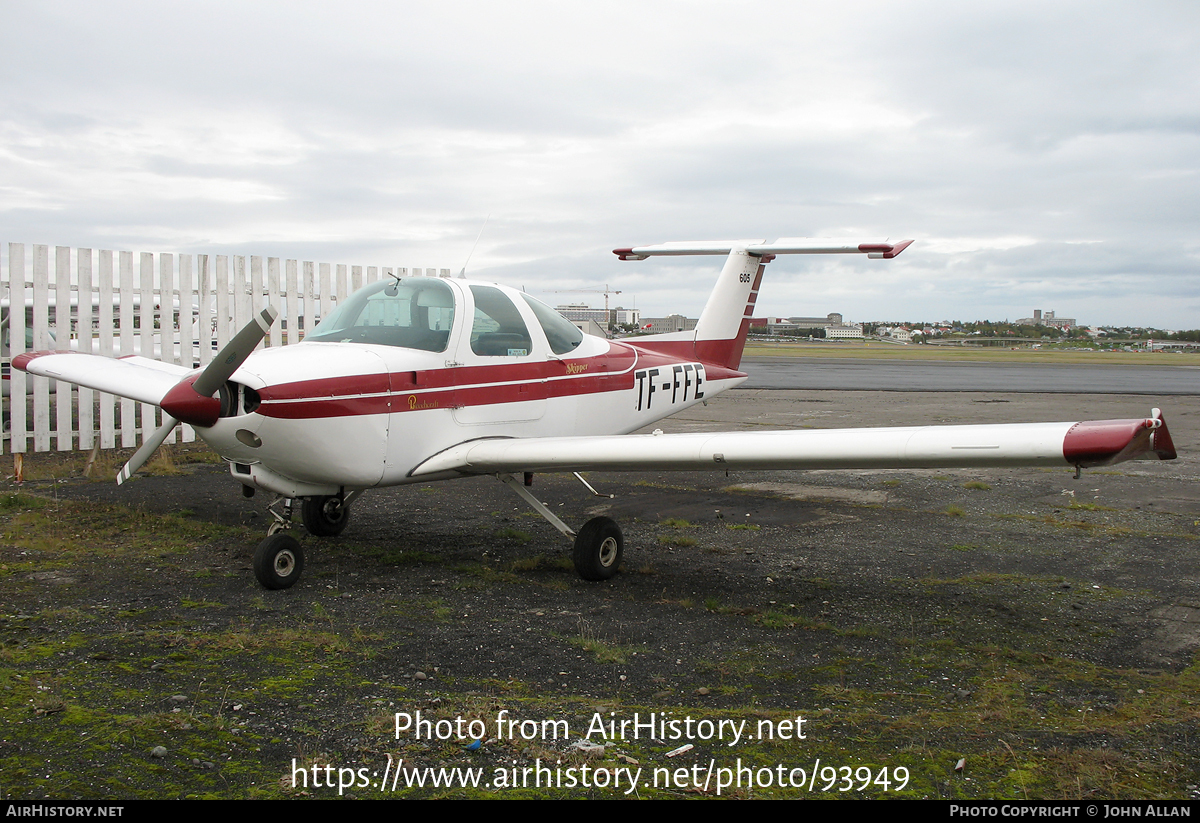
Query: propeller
193, 399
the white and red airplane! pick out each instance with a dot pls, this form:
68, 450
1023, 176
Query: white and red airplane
421, 379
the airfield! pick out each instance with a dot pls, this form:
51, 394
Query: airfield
1040, 629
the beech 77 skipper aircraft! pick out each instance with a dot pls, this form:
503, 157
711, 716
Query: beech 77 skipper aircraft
421, 379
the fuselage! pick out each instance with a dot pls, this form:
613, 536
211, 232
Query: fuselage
407, 369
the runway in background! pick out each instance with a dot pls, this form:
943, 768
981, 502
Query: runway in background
842, 374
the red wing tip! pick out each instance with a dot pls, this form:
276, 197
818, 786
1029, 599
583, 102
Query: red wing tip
24, 358
627, 254
884, 251
1105, 442
1161, 441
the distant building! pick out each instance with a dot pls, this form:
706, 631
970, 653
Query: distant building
627, 317
831, 319
581, 311
781, 325
844, 331
1041, 318
772, 325
670, 323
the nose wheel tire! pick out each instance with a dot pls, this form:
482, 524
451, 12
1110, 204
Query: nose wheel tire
278, 561
325, 516
598, 548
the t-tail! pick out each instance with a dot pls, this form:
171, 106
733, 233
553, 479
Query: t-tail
720, 335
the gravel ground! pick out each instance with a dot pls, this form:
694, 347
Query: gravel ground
1044, 628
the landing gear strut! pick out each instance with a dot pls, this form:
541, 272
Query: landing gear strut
279, 559
598, 545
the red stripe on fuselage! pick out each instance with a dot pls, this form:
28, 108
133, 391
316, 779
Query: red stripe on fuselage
621, 358
461, 386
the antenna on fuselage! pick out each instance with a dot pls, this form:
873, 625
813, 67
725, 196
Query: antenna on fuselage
462, 274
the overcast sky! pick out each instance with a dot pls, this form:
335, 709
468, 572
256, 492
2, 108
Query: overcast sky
1041, 154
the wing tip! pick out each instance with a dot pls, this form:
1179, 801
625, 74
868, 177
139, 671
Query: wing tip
884, 251
1160, 441
1104, 442
22, 360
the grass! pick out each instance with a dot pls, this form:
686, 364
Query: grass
680, 540
163, 464
886, 351
604, 651
977, 485
62, 531
18, 501
1089, 507
168, 460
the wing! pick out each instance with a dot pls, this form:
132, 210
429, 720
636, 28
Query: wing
1081, 444
138, 378
183, 395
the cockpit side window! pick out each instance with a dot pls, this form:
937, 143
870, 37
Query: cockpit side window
562, 335
416, 313
498, 329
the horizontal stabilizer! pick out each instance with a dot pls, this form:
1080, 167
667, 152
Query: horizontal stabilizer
136, 378
1091, 443
879, 249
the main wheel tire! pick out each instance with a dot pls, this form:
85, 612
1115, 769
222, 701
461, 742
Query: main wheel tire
278, 561
598, 548
325, 516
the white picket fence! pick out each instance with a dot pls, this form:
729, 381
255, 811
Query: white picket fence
178, 308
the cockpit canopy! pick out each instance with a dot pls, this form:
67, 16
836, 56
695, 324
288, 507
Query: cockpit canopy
419, 312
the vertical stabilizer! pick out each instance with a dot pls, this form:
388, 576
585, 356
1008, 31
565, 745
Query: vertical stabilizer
725, 321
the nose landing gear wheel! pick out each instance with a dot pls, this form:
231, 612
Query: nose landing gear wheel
325, 516
598, 548
278, 561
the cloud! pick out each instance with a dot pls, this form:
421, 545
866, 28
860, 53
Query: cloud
1037, 153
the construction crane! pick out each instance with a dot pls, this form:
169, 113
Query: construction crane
606, 291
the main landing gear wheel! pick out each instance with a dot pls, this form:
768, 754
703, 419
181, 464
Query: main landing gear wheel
598, 548
325, 516
278, 561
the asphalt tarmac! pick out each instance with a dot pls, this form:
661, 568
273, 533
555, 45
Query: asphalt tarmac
842, 374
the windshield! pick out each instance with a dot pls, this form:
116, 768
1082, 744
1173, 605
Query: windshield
416, 313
